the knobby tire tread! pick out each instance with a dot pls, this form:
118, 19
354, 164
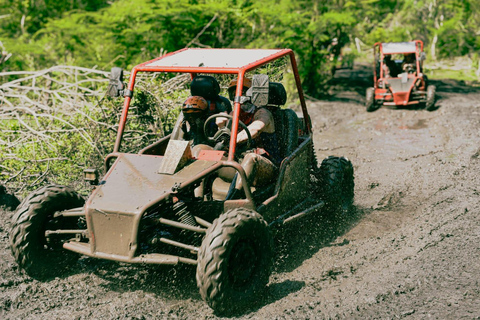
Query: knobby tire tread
336, 178
28, 223
212, 275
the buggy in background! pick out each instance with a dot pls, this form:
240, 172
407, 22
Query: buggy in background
398, 77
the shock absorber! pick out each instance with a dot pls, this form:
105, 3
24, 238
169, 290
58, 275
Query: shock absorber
182, 213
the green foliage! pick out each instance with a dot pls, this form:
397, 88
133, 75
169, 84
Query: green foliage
127, 33
99, 33
20, 16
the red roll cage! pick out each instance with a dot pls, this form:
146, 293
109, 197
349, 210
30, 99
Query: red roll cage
383, 48
216, 61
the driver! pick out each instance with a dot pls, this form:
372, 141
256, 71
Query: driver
261, 164
408, 62
195, 112
390, 68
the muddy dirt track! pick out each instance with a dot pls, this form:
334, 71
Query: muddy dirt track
409, 249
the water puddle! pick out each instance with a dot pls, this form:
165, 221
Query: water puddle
419, 124
380, 125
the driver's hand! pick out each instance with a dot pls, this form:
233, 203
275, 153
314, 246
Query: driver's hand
221, 121
221, 145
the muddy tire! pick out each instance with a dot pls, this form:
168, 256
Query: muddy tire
337, 183
27, 236
234, 261
370, 100
430, 103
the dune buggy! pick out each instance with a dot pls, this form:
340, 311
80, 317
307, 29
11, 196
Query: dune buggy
162, 205
398, 77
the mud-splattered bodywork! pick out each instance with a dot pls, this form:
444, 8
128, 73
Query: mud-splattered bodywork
143, 211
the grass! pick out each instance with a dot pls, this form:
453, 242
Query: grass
467, 75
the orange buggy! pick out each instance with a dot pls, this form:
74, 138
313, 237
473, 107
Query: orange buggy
398, 77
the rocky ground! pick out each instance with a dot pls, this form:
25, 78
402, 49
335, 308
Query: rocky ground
409, 249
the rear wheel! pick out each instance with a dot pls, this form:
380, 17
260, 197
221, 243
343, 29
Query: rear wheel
234, 261
37, 256
370, 100
337, 183
430, 103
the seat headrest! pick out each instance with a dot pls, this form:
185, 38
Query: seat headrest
277, 94
205, 86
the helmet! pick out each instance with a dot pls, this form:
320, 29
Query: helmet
194, 105
247, 83
205, 86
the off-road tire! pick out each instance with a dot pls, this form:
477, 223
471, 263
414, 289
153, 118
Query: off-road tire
234, 261
337, 184
27, 236
430, 103
370, 100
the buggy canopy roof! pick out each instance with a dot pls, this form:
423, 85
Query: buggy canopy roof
399, 47
212, 60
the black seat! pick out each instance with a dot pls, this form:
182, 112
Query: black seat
286, 120
288, 133
208, 88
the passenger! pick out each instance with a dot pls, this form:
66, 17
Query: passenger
232, 87
408, 64
261, 164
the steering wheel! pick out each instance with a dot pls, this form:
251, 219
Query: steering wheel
409, 68
225, 131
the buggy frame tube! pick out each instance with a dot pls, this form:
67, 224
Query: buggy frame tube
126, 105
236, 117
380, 58
195, 70
306, 117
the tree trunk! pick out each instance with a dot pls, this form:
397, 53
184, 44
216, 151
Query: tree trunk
433, 53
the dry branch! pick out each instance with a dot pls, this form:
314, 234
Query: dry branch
50, 113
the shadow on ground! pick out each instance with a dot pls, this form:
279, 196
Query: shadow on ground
301, 240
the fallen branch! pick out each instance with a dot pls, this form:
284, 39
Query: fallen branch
194, 40
61, 114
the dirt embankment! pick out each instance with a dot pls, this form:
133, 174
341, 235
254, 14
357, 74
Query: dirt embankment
410, 249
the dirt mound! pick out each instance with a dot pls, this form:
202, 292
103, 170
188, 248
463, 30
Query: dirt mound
410, 248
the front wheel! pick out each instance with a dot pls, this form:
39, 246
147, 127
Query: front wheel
337, 183
234, 261
370, 100
430, 103
38, 256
